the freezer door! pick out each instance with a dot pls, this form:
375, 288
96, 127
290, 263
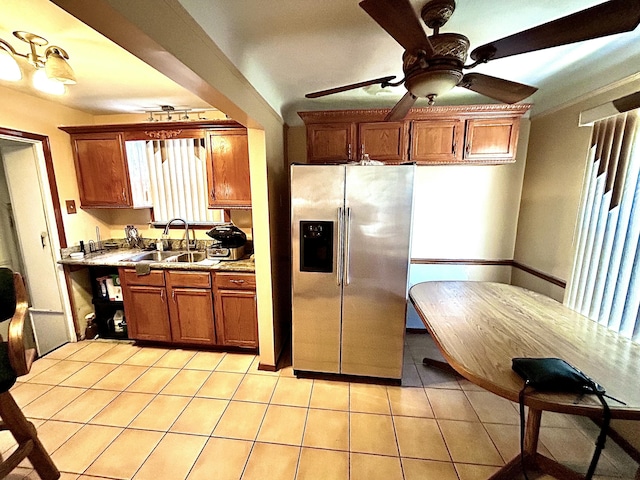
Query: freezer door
317, 200
379, 203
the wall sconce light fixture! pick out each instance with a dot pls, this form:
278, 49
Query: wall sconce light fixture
52, 70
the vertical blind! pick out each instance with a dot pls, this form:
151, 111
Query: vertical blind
178, 178
605, 280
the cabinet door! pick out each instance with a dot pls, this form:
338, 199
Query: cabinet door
237, 318
101, 170
383, 141
436, 141
331, 142
147, 313
191, 314
228, 176
491, 139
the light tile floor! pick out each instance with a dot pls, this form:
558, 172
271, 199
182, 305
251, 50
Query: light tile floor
116, 411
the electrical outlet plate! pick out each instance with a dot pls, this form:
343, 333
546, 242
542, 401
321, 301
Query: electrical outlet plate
71, 206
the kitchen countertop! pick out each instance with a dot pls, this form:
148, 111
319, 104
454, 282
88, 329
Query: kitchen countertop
118, 258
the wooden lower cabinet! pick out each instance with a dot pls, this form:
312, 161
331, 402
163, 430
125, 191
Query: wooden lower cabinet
236, 309
169, 306
145, 305
191, 308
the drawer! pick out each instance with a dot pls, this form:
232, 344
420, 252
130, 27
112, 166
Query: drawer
128, 276
183, 278
235, 281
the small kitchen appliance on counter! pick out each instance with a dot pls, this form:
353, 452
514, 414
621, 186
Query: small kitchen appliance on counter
228, 242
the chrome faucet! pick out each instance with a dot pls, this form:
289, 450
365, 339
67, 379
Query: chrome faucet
186, 229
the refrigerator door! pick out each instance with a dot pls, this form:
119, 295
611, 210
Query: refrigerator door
378, 203
317, 203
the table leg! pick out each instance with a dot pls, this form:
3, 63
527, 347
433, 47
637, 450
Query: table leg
513, 468
532, 432
440, 365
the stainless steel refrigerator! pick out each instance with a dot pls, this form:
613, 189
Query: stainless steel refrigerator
351, 235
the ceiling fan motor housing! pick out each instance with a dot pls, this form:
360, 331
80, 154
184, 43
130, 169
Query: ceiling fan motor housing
437, 12
430, 77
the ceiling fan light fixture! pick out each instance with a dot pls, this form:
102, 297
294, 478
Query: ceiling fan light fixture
9, 68
57, 67
433, 82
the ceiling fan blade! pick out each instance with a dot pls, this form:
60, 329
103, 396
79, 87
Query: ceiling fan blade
505, 91
609, 18
344, 88
400, 109
399, 20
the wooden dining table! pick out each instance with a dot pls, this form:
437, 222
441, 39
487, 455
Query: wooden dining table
479, 327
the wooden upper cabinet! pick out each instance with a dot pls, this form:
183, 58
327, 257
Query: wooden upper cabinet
109, 178
465, 134
491, 138
383, 141
437, 141
101, 170
228, 176
331, 142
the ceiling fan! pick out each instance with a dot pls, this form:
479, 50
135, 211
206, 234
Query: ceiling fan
433, 64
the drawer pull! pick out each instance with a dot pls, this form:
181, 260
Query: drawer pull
237, 282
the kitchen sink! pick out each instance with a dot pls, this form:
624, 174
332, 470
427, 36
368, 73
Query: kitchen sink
155, 256
188, 257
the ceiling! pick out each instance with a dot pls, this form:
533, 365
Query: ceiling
287, 48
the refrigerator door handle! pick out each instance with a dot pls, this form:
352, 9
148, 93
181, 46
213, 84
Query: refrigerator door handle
347, 249
340, 256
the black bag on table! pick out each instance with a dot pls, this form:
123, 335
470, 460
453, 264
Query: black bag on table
557, 375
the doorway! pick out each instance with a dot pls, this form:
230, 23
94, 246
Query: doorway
31, 238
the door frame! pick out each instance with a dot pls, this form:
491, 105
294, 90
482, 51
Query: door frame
35, 139
51, 176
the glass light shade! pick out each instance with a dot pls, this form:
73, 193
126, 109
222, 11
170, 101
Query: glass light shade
433, 82
9, 68
47, 85
58, 69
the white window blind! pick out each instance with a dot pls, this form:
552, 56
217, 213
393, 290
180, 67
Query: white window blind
178, 178
605, 281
